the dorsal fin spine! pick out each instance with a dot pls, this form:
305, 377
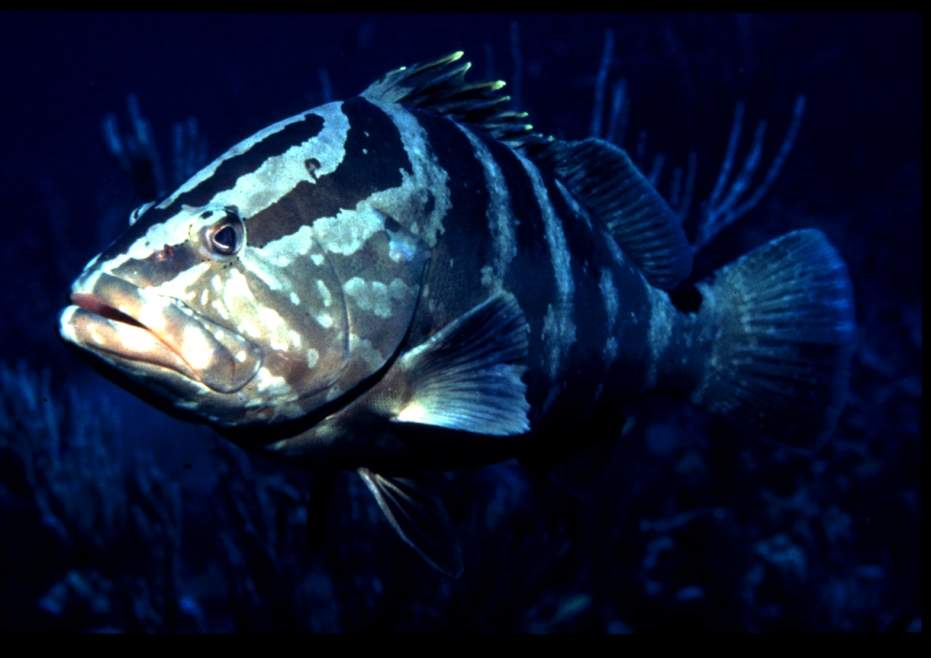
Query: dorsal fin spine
440, 86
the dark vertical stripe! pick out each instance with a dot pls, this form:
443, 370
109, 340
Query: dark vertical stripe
463, 245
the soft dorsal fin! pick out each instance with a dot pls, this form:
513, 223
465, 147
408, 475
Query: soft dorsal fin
440, 86
611, 188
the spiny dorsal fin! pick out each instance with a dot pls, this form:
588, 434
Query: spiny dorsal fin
440, 86
610, 187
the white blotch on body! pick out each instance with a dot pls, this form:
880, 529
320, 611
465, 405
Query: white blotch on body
324, 293
363, 349
272, 386
661, 318
152, 313
488, 277
258, 264
348, 230
400, 248
343, 234
196, 348
220, 308
279, 335
549, 335
324, 319
185, 283
375, 296
612, 307
610, 349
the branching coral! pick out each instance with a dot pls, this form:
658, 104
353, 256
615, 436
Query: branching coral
94, 506
138, 156
733, 195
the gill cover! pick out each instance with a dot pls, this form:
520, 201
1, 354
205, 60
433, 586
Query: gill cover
381, 286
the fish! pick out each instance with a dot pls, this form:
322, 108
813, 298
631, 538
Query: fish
414, 280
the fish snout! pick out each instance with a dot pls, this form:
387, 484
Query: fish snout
148, 331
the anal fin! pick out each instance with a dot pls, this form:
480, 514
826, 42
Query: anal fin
419, 519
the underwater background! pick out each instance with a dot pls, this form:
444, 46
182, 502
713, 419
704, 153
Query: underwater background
117, 517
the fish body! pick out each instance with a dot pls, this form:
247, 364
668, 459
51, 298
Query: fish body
413, 279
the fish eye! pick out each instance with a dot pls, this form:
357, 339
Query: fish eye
226, 236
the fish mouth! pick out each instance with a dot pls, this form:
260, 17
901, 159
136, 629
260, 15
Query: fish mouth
151, 333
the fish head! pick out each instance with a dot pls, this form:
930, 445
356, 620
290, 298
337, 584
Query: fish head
262, 301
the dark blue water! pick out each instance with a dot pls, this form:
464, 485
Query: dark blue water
115, 516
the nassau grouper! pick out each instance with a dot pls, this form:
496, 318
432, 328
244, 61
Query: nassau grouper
413, 280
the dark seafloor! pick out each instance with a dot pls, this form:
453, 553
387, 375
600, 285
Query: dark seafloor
117, 517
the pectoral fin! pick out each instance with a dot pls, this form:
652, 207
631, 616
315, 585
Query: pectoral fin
467, 376
419, 518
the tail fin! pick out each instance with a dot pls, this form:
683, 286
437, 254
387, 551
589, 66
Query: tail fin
783, 336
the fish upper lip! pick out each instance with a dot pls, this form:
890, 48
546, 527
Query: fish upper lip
122, 304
